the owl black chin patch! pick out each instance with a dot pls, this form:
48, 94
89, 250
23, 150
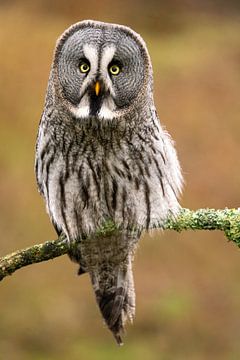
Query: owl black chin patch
95, 104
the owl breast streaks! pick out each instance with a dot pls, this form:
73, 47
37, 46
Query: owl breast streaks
102, 154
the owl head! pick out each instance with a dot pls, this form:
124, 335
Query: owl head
101, 70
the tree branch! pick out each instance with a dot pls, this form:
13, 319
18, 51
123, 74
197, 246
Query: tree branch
227, 220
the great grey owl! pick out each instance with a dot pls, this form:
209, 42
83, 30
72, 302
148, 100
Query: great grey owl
102, 155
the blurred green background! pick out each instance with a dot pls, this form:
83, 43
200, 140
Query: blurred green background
188, 289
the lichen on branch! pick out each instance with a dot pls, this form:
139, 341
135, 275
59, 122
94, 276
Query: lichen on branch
226, 220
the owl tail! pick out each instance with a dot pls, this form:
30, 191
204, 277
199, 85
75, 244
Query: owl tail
114, 290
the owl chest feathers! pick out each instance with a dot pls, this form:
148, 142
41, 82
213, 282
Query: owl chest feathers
88, 175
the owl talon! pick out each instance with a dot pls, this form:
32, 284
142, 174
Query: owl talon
81, 271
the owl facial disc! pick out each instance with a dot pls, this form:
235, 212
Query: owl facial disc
102, 73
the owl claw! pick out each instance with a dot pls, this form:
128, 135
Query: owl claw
81, 271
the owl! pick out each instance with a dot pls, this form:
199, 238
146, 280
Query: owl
103, 155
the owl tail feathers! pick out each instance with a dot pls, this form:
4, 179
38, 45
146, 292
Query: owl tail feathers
116, 299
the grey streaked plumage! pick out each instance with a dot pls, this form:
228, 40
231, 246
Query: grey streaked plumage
102, 154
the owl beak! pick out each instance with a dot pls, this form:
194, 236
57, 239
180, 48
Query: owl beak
97, 88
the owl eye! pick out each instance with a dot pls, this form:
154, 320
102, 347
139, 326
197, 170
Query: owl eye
84, 67
114, 69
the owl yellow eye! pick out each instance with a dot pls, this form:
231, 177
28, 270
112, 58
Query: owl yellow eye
84, 67
114, 69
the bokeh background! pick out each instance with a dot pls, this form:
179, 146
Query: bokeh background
188, 288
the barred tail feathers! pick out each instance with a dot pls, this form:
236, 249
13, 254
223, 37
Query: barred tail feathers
114, 290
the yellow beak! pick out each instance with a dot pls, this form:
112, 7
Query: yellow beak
97, 88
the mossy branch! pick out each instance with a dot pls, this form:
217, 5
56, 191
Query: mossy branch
227, 220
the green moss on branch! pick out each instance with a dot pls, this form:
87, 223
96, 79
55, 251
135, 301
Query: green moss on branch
227, 220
